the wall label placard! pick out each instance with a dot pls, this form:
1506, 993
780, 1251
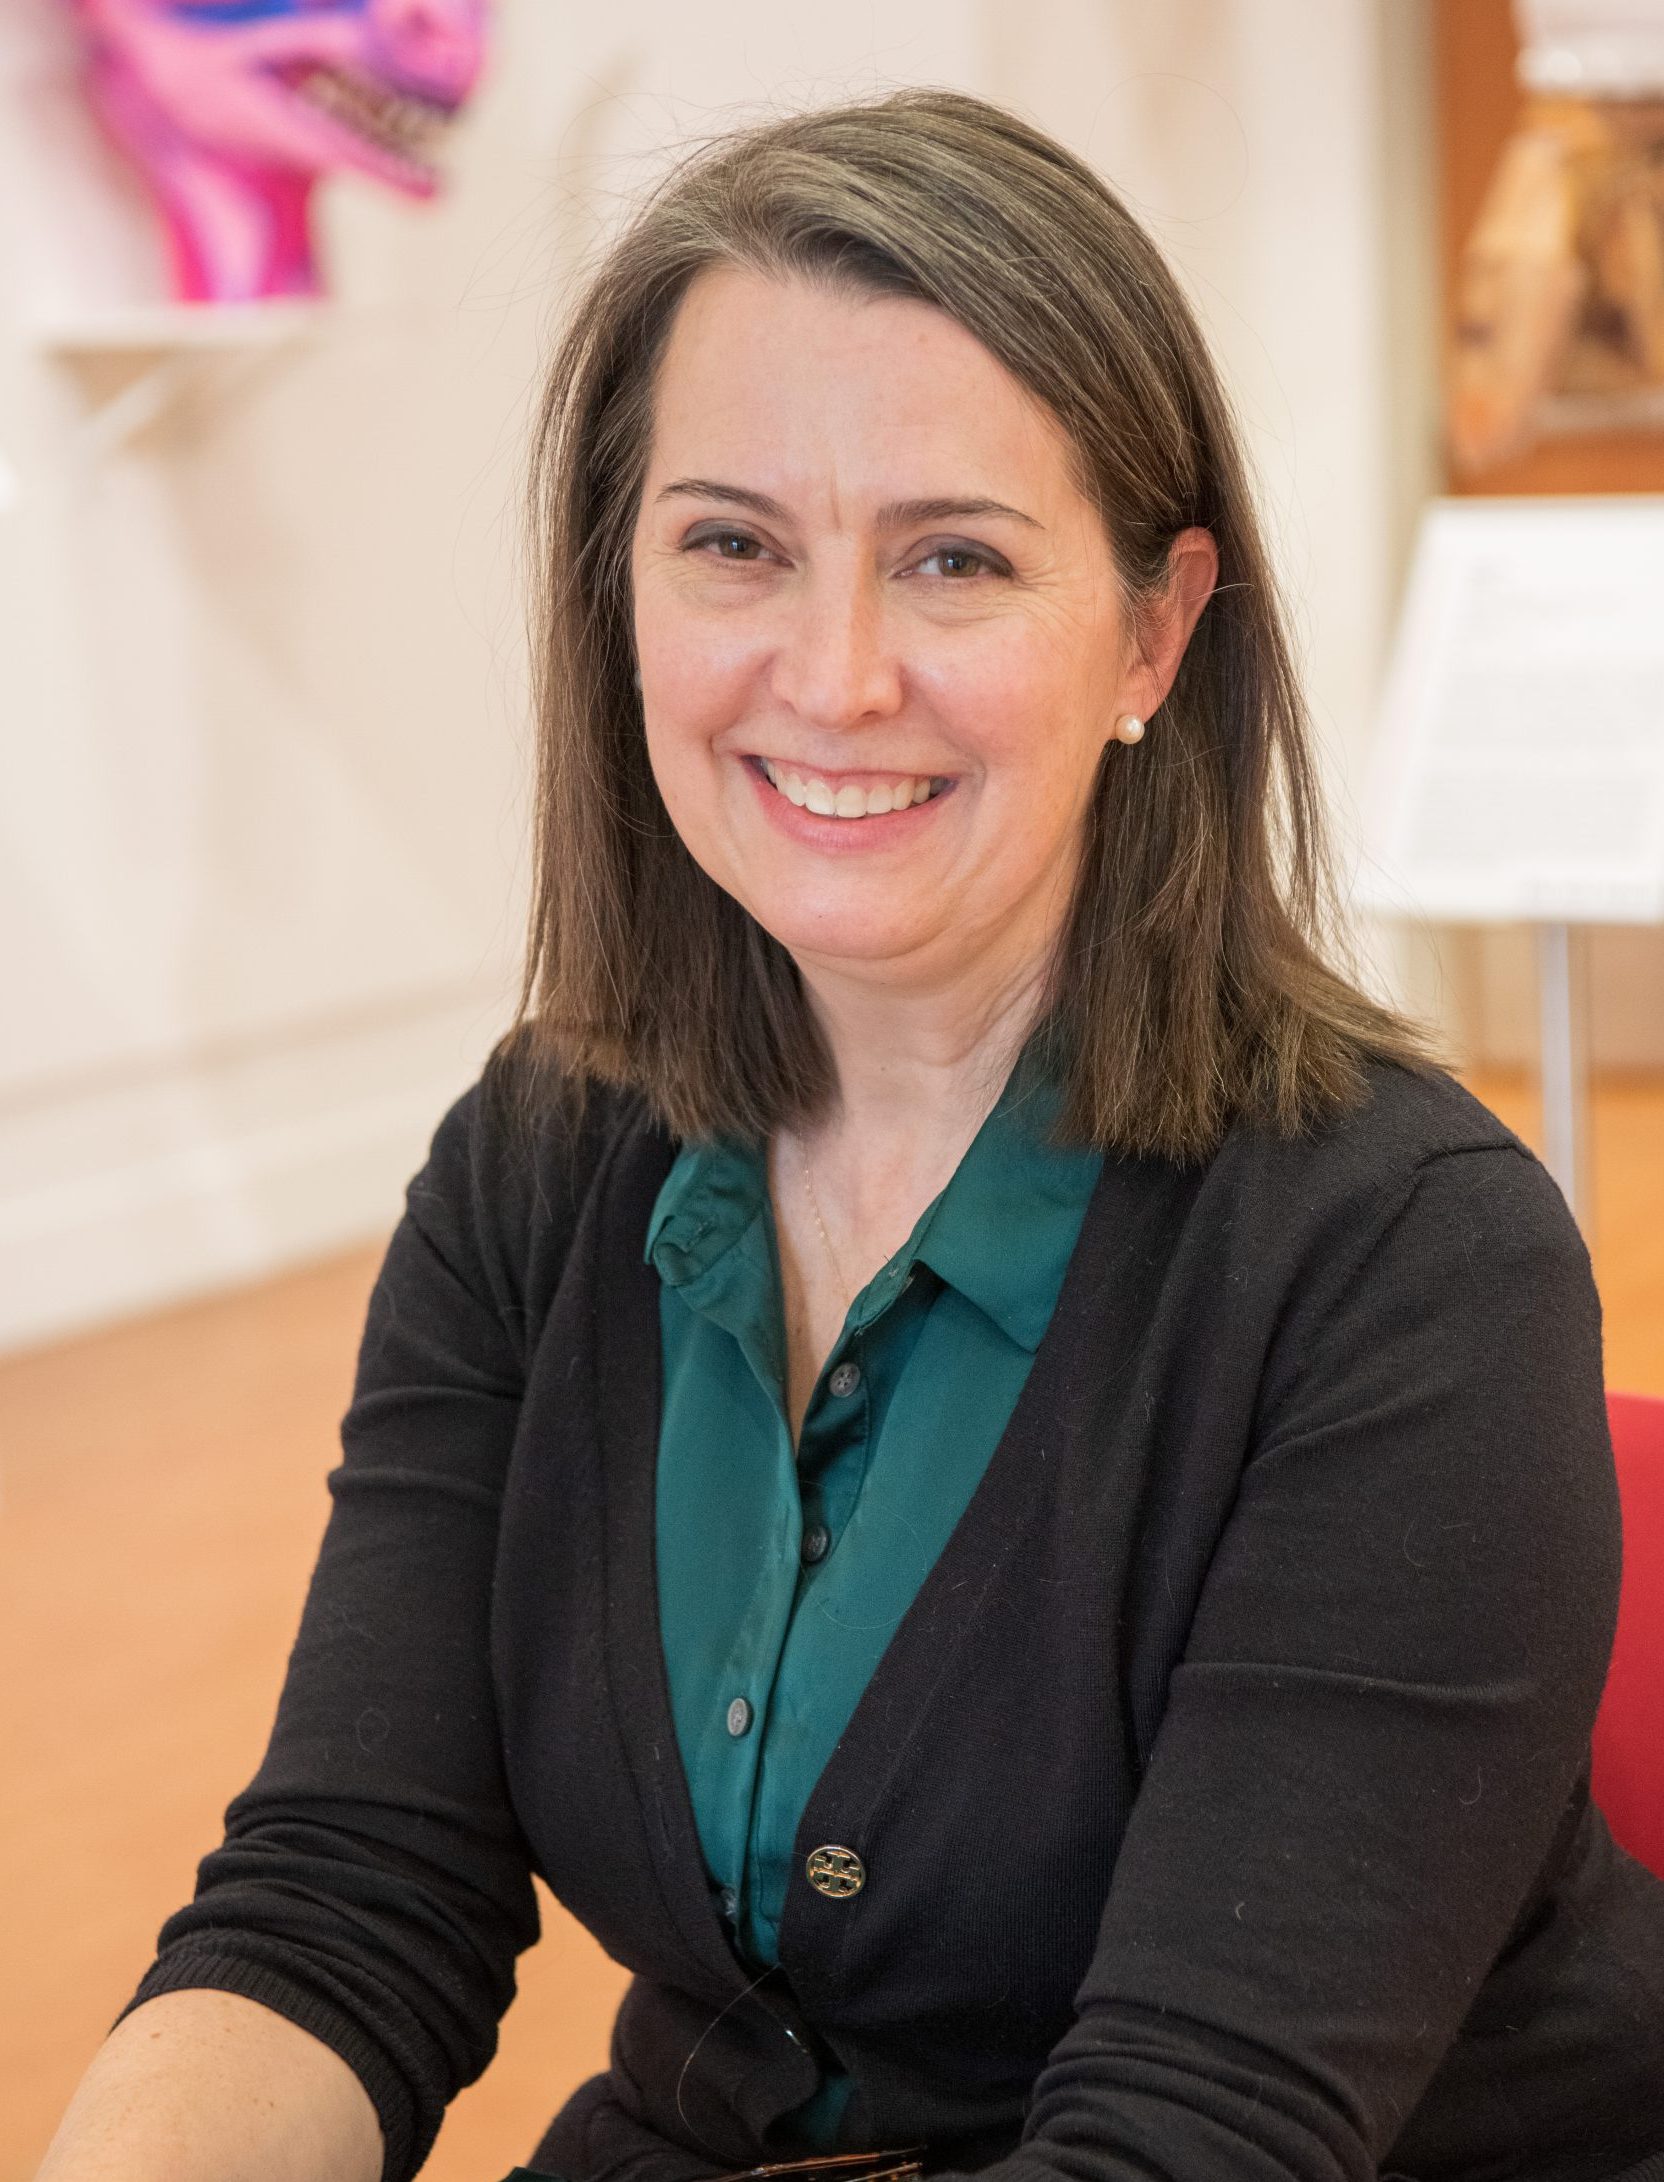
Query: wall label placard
1518, 771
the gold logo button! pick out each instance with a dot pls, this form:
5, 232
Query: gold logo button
837, 1872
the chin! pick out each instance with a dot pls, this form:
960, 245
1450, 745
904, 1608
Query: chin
855, 940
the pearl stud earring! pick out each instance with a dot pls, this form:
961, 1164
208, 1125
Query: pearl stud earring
1130, 728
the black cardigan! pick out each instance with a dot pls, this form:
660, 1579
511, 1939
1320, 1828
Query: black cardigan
1222, 1797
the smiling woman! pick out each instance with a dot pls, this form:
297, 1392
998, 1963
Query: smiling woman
962, 1443
907, 454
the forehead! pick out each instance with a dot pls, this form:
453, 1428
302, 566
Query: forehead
804, 381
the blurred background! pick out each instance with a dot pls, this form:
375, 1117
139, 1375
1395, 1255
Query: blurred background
263, 798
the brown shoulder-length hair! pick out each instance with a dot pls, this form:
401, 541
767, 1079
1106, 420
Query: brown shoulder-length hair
1194, 980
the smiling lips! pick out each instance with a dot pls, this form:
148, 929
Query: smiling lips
848, 800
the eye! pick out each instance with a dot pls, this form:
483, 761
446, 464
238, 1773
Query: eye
962, 563
725, 545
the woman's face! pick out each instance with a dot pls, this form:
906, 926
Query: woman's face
864, 577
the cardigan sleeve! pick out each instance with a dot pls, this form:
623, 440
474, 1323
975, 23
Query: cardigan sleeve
1381, 1714
373, 1884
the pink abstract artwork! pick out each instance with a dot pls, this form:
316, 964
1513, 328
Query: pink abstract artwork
234, 110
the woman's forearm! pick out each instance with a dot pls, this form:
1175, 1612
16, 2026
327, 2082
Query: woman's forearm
201, 2086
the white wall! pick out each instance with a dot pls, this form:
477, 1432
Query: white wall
261, 690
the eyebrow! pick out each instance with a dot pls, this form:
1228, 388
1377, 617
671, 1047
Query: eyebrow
892, 516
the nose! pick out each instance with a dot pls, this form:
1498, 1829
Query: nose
433, 45
835, 666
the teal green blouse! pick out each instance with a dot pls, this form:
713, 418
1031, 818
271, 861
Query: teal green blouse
783, 1572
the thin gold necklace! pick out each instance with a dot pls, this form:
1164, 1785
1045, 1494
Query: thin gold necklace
839, 1275
845, 1291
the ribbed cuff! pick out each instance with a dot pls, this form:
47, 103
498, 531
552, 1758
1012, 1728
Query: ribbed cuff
1650, 2170
187, 1970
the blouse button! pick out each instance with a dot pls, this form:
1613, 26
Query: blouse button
817, 1540
739, 1716
845, 1379
836, 1872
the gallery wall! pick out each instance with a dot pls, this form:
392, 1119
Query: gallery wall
262, 709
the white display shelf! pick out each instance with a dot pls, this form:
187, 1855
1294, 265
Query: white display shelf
152, 352
147, 327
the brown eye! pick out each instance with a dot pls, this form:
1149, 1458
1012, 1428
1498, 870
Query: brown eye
961, 564
731, 545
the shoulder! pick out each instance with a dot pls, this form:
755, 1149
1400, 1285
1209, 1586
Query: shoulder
512, 1162
1405, 1116
1414, 1131
524, 1131
1417, 1206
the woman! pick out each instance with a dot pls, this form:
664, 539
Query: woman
962, 1443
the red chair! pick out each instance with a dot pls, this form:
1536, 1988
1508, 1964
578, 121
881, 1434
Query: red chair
1629, 1732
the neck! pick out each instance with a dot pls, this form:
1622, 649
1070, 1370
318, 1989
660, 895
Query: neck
919, 1067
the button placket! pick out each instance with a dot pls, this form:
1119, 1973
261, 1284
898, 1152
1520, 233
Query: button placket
754, 1659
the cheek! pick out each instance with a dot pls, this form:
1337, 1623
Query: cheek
686, 713
681, 641
679, 733
1025, 711
689, 676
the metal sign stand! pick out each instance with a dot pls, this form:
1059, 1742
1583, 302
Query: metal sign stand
1518, 771
1563, 1033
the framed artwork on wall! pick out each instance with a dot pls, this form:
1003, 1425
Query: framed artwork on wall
1550, 122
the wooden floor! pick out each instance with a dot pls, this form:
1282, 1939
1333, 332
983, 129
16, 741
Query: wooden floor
161, 1499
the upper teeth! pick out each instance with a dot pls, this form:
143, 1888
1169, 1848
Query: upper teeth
826, 801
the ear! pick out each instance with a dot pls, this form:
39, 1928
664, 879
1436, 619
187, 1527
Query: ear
1167, 620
